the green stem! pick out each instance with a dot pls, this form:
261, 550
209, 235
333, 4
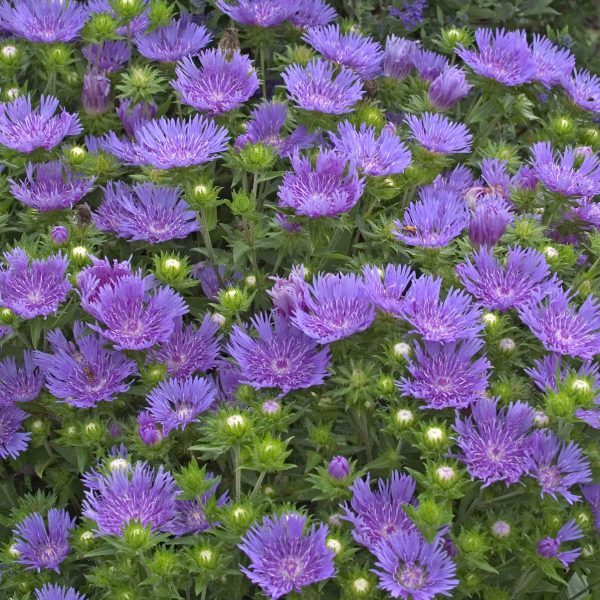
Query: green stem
263, 71
238, 472
257, 484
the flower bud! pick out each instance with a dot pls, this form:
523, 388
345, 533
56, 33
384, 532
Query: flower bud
13, 551
361, 586
79, 255
218, 318
100, 27
250, 281
369, 114
7, 316
591, 136
270, 408
77, 154
445, 475
401, 350
338, 468
257, 157
386, 385
205, 558
154, 373
95, 96
562, 125
551, 253
59, 235
164, 562
453, 36
234, 300
404, 417
540, 418
507, 345
490, 319
500, 529
136, 535
435, 436
126, 10
202, 195
93, 431
236, 425
241, 515
245, 393
241, 203
334, 545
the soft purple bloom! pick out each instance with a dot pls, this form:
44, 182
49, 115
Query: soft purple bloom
489, 219
312, 13
135, 116
383, 155
50, 186
110, 56
290, 292
591, 493
587, 211
590, 417
357, 52
285, 555
550, 547
219, 85
279, 356
429, 64
43, 21
145, 212
229, 378
377, 515
328, 189
170, 143
563, 328
523, 277
553, 64
95, 96
459, 180
56, 592
259, 13
501, 55
398, 57
495, 174
43, 547
12, 440
496, 443
409, 567
448, 88
31, 288
453, 318
411, 13
19, 384
148, 429
558, 466
439, 134
84, 372
564, 173
25, 129
445, 375
439, 216
319, 87
137, 493
59, 235
584, 90
386, 288
338, 468
336, 306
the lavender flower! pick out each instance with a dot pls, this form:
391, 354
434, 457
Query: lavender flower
398, 57
170, 143
135, 116
496, 443
437, 320
448, 88
524, 277
591, 493
286, 556
33, 288
378, 515
19, 384
25, 129
501, 55
409, 567
584, 90
359, 53
553, 64
411, 13
213, 278
95, 96
41, 547
561, 327
43, 21
312, 13
258, 13
181, 37
490, 218
385, 155
444, 375
328, 189
12, 440
91, 279
280, 356
549, 547
558, 466
221, 84
50, 186
386, 289
429, 64
288, 293
110, 56
145, 212
335, 307
317, 87
438, 134
84, 372
56, 592
148, 429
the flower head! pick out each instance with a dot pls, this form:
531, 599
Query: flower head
398, 57
57, 592
110, 56
213, 278
258, 13
12, 440
149, 430
583, 88
285, 555
411, 12
439, 134
19, 384
489, 219
448, 88
550, 547
429, 64
41, 547
95, 95
135, 116
312, 13
386, 290
553, 64
591, 493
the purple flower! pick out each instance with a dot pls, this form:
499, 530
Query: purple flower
135, 116
286, 556
591, 493
19, 384
170, 143
587, 211
95, 96
319, 87
228, 379
43, 548
110, 56
584, 90
56, 592
444, 375
91, 279
357, 52
489, 220
312, 13
148, 429
145, 212
59, 235
33, 288
181, 37
288, 293
558, 466
494, 173
377, 515
411, 13
189, 350
564, 173
549, 547
398, 57
561, 327
328, 189
524, 277
84, 372
454, 318
409, 567
385, 289
221, 84
279, 356
50, 186
137, 493
338, 468
385, 155
213, 278
175, 403
496, 443
12, 440
553, 64
25, 129
43, 21
501, 55
136, 314
439, 134
429, 64
448, 88
433, 221
259, 13
335, 307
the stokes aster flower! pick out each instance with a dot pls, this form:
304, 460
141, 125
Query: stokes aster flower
285, 555
398, 57
411, 13
385, 288
448, 88
489, 219
553, 64
312, 13
110, 56
12, 440
438, 134
259, 13
550, 547
19, 384
429, 64
583, 88
56, 592
91, 279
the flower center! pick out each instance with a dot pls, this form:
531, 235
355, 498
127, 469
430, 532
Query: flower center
411, 577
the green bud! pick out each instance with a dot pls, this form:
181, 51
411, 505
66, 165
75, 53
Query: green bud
369, 114
126, 10
245, 394
79, 255
136, 535
561, 404
269, 454
92, 431
591, 136
335, 545
202, 194
320, 435
257, 157
192, 481
87, 538
472, 542
205, 557
7, 316
551, 253
160, 13
164, 562
57, 56
562, 125
236, 425
404, 417
141, 83
453, 36
299, 54
585, 288
241, 515
358, 378
386, 385
39, 428
99, 27
77, 154
435, 437
154, 373
444, 476
10, 55
401, 350
241, 203
173, 269
360, 586
234, 300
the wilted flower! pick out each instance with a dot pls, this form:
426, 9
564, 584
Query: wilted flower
287, 293
19, 384
312, 13
398, 57
553, 64
386, 289
110, 56
148, 429
583, 88
260, 13
213, 278
95, 96
448, 88
56, 592
91, 279
549, 547
429, 64
12, 440
439, 134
